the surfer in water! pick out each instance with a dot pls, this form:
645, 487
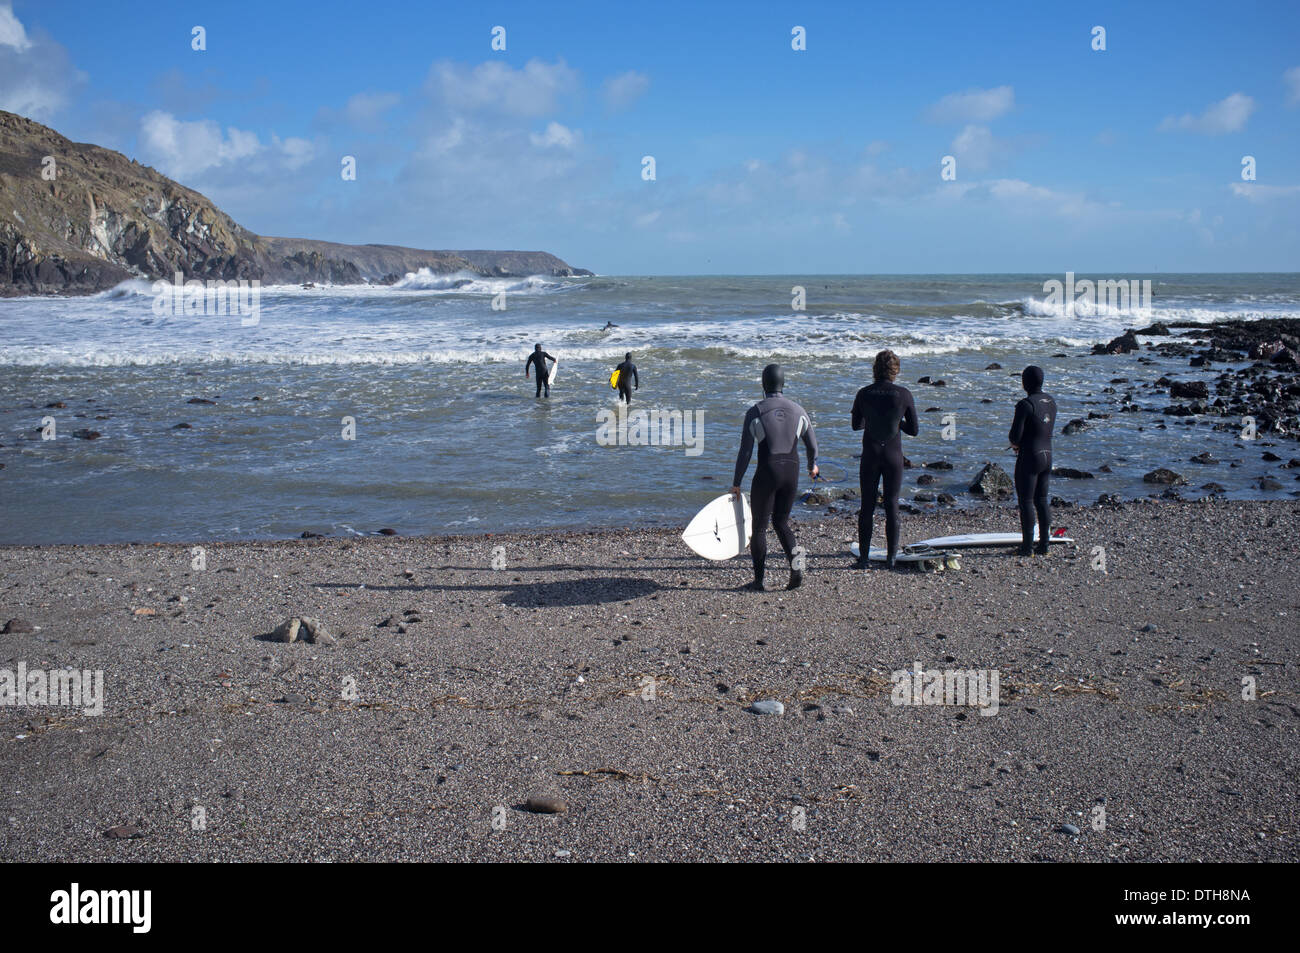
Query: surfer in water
539, 358
609, 325
776, 424
883, 411
627, 378
1031, 439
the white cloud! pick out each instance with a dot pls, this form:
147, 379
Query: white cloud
623, 90
182, 149
1292, 79
12, 33
975, 147
1018, 192
1227, 115
1263, 194
974, 105
36, 76
296, 152
556, 135
185, 149
534, 90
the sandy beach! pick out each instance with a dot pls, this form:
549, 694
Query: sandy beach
611, 675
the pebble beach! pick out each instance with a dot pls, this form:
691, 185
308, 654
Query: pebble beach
599, 697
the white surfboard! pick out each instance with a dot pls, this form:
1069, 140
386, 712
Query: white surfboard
720, 530
971, 540
555, 366
902, 556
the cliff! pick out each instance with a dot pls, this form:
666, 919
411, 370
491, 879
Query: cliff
105, 218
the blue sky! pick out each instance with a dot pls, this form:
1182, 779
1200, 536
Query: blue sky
768, 160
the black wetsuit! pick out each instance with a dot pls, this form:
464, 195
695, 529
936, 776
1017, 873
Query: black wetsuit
627, 376
883, 411
540, 358
776, 424
1031, 431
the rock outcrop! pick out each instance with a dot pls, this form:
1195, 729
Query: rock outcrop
76, 218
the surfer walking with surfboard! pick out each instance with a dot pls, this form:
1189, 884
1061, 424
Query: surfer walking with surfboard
883, 411
1031, 439
776, 424
539, 358
625, 378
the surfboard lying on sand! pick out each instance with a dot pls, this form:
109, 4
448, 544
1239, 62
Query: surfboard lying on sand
973, 540
613, 378
937, 559
720, 530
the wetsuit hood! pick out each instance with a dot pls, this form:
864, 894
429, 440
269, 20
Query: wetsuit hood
1032, 379
773, 379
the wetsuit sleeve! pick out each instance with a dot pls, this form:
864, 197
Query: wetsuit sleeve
746, 447
1017, 434
546, 357
528, 364
859, 421
636, 378
810, 443
909, 424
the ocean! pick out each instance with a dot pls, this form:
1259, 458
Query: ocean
344, 410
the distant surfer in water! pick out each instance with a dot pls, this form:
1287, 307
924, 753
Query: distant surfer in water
776, 424
627, 378
609, 325
1031, 439
539, 358
883, 411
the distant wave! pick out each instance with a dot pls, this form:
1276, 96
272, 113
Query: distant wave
463, 282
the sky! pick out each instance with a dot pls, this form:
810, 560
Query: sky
767, 159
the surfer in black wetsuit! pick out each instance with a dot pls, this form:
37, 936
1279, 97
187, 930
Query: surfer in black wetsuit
883, 411
1031, 438
776, 424
627, 378
539, 358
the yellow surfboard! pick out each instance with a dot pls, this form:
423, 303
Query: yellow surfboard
613, 378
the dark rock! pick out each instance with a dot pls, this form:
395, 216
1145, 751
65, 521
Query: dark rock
1074, 426
87, 434
1124, 344
938, 465
1068, 473
200, 400
1268, 483
925, 479
16, 626
1205, 458
992, 481
1163, 475
1189, 389
994, 367
387, 531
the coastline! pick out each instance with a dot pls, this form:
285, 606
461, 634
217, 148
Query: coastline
1120, 689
